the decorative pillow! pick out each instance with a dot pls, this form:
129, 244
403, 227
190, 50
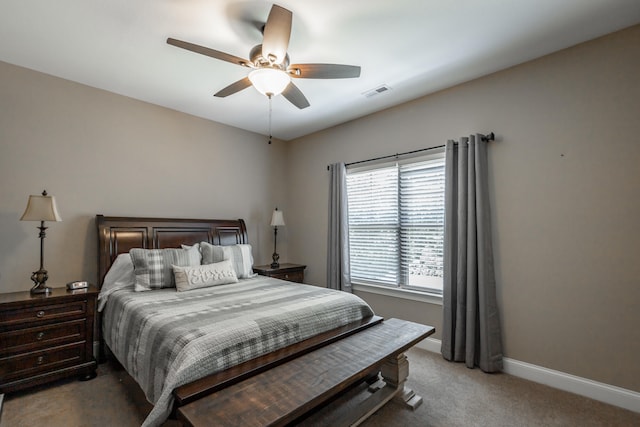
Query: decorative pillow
239, 255
194, 247
197, 245
152, 267
201, 276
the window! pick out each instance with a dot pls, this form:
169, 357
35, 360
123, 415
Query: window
396, 224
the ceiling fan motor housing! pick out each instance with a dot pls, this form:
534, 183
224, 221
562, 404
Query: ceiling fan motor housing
260, 61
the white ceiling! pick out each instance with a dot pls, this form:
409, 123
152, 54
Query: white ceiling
415, 47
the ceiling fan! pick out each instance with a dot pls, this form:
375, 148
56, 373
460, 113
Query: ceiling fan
271, 71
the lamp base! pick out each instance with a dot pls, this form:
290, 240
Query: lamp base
36, 290
40, 278
275, 263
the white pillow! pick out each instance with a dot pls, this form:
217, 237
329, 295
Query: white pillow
200, 276
239, 255
119, 276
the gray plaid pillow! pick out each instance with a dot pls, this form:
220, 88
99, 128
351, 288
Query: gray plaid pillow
239, 255
152, 267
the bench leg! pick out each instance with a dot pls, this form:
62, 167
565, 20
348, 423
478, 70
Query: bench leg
382, 388
395, 372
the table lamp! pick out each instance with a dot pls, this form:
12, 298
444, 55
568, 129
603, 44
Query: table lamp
277, 220
41, 208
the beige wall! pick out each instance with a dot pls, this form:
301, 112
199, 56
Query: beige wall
565, 179
101, 153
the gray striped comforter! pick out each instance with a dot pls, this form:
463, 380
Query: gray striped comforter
165, 338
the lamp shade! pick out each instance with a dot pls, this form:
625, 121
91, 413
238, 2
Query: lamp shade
41, 208
269, 81
277, 219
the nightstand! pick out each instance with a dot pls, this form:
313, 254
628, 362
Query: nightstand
46, 337
290, 272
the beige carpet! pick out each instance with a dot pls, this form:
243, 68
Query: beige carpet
453, 396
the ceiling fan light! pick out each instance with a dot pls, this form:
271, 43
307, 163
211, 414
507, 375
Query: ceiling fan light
269, 81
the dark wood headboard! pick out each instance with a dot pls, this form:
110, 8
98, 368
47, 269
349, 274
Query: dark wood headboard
117, 235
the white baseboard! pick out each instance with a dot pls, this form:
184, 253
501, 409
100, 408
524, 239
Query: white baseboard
612, 395
430, 344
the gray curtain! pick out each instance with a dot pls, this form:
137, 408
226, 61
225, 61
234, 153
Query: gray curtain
471, 324
338, 274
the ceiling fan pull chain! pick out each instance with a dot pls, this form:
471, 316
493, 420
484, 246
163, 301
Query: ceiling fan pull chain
270, 96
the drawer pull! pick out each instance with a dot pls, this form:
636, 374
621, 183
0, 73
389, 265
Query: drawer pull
286, 276
40, 314
40, 336
40, 360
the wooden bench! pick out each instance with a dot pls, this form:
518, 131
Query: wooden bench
211, 383
287, 393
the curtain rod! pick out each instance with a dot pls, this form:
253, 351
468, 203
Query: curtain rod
490, 137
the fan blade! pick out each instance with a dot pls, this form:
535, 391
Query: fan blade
234, 87
209, 52
324, 71
295, 96
277, 32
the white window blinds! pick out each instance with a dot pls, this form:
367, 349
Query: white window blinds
396, 224
373, 225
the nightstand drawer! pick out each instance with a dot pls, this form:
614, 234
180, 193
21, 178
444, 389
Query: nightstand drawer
293, 276
43, 313
36, 362
42, 336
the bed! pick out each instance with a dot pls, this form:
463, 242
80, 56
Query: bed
181, 346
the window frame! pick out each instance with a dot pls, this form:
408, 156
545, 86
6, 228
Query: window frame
430, 295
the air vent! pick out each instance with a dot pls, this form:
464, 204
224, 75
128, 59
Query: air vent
376, 91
